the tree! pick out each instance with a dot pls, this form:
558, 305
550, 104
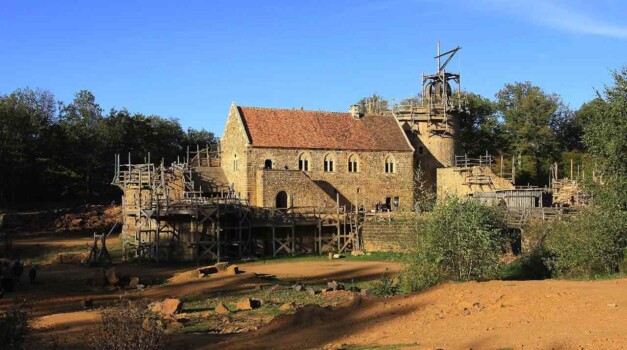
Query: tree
530, 119
605, 127
479, 129
374, 104
26, 117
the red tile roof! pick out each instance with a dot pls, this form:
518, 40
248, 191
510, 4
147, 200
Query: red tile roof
292, 128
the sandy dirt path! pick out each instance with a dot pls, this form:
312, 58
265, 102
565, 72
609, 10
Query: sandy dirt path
492, 315
60, 317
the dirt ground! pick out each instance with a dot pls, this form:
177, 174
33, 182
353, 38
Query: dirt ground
551, 314
493, 315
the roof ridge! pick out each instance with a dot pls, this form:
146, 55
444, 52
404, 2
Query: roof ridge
293, 109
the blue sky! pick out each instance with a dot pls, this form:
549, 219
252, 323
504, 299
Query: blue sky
191, 59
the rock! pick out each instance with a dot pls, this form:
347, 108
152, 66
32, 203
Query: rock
110, 288
337, 256
612, 305
365, 293
466, 311
215, 268
354, 289
335, 285
221, 309
357, 252
133, 283
330, 256
311, 291
205, 314
167, 307
248, 304
233, 270
288, 307
111, 276
298, 286
275, 288
88, 304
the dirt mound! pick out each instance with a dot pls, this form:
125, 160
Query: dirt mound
90, 217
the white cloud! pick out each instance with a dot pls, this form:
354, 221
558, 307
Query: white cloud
553, 14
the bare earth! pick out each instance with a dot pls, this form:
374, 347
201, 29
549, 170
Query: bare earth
548, 314
493, 315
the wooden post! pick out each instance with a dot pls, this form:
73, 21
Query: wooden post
198, 153
273, 241
571, 168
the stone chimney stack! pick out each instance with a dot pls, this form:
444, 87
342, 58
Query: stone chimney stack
355, 111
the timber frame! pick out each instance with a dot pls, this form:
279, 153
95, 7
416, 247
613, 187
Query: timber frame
167, 217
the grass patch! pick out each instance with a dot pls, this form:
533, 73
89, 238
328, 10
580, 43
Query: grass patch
200, 321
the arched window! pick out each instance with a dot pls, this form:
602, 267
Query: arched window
353, 164
304, 162
281, 200
235, 162
390, 165
329, 163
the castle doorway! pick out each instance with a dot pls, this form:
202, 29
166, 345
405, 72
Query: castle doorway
281, 200
267, 164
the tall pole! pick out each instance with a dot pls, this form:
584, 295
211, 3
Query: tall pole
571, 168
438, 48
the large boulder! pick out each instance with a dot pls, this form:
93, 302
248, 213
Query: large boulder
111, 276
221, 309
133, 283
167, 307
248, 304
209, 270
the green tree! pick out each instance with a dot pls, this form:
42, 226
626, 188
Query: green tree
374, 104
479, 128
605, 127
531, 118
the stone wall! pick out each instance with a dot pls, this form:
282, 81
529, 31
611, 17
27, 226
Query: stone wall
367, 186
234, 150
386, 236
452, 181
300, 189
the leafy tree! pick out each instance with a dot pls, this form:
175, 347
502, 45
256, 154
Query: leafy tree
25, 120
531, 118
460, 240
479, 128
605, 127
373, 105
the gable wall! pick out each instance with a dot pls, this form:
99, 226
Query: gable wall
235, 141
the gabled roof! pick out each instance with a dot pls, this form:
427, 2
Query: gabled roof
291, 128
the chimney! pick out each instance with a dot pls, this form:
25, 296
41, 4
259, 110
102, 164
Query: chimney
355, 112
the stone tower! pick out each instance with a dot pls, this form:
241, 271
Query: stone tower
430, 120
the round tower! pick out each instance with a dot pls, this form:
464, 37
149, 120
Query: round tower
431, 121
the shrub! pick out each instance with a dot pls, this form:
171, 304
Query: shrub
14, 329
129, 326
386, 285
590, 244
460, 240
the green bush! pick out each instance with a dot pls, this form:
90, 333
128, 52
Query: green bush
460, 240
589, 244
386, 285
